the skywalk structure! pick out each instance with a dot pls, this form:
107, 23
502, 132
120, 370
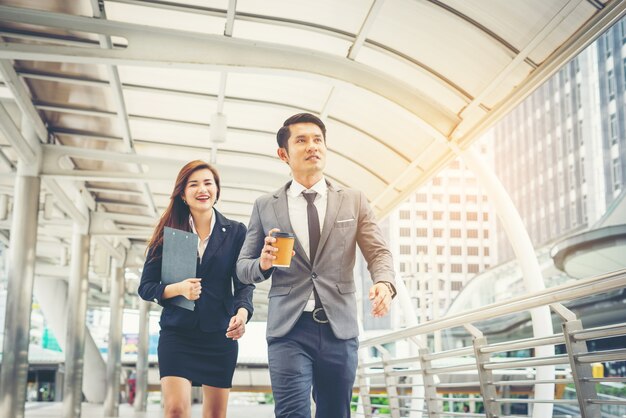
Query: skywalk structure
102, 102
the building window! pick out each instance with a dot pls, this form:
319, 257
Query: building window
420, 197
438, 232
486, 251
472, 216
581, 139
486, 233
456, 285
582, 169
455, 233
456, 268
472, 268
436, 181
608, 42
472, 233
421, 214
405, 232
402, 267
405, 214
456, 250
611, 82
455, 216
613, 129
405, 249
485, 216
422, 232
455, 198
422, 249
437, 215
440, 250
472, 251
617, 174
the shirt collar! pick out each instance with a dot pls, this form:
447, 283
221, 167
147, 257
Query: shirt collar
193, 227
320, 187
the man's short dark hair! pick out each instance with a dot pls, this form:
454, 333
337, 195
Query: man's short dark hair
283, 134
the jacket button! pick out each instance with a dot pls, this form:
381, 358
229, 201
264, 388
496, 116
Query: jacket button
155, 300
313, 275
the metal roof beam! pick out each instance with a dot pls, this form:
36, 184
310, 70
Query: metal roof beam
197, 95
166, 47
120, 104
365, 29
78, 210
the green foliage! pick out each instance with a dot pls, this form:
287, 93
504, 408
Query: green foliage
376, 402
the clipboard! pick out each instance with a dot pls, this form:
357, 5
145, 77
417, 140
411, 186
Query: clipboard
179, 262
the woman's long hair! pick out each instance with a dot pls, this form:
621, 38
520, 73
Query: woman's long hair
177, 213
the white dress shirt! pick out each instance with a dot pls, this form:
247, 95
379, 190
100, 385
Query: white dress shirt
202, 243
299, 219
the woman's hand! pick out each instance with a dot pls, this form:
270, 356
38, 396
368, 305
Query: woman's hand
190, 288
237, 325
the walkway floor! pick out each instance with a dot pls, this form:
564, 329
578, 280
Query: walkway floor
54, 409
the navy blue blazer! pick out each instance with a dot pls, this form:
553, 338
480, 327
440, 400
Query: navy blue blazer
217, 303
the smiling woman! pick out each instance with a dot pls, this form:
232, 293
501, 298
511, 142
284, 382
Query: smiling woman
199, 347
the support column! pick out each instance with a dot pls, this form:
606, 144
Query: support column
533, 279
77, 309
52, 294
141, 385
114, 358
21, 275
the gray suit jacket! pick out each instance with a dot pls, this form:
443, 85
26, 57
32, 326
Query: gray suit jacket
349, 221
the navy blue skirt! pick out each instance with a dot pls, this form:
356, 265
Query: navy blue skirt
204, 358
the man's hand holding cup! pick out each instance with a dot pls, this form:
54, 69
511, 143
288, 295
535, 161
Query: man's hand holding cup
277, 249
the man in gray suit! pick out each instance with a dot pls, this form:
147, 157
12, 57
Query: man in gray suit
312, 325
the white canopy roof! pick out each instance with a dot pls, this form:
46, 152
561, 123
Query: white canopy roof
122, 92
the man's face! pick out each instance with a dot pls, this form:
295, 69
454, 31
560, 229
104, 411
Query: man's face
306, 152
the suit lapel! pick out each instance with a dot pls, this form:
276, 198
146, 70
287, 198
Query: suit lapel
220, 230
332, 210
281, 209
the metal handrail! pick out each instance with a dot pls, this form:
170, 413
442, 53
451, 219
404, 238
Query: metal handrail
463, 363
565, 292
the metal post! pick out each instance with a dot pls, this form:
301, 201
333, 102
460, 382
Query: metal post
114, 357
141, 394
365, 401
77, 309
21, 274
485, 377
581, 372
390, 382
430, 388
410, 319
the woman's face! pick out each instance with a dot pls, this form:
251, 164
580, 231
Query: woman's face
200, 191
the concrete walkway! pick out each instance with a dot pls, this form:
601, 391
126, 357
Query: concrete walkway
53, 409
